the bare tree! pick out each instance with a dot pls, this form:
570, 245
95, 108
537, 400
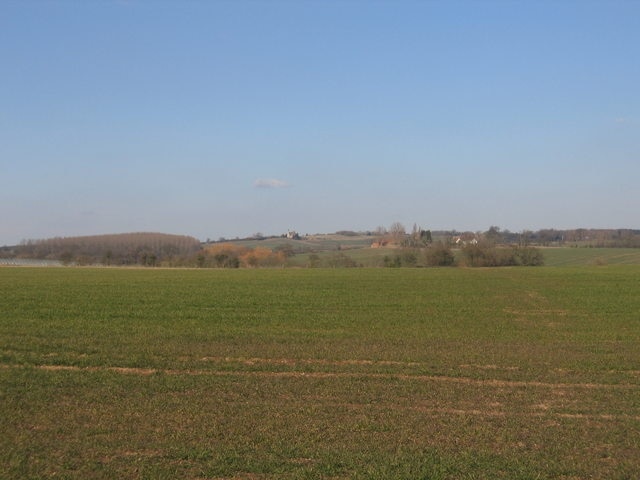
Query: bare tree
397, 232
381, 231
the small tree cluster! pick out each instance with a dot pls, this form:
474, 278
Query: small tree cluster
262, 257
397, 235
221, 255
439, 254
485, 254
227, 255
418, 238
436, 254
335, 260
482, 254
407, 257
340, 260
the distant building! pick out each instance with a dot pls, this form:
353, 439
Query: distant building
380, 243
466, 239
293, 235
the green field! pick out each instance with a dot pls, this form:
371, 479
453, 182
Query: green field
591, 256
510, 373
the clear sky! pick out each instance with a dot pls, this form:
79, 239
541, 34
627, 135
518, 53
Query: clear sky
227, 118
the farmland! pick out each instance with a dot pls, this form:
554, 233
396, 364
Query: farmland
358, 249
514, 373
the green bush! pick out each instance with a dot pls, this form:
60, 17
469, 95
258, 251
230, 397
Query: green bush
439, 255
528, 256
407, 257
485, 254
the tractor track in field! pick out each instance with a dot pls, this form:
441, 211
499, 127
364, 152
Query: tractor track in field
482, 382
543, 410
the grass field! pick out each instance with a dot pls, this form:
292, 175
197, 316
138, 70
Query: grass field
591, 256
512, 373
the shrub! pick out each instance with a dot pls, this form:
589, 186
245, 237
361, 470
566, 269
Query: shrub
528, 256
314, 261
439, 255
392, 261
222, 255
487, 255
338, 260
262, 257
406, 258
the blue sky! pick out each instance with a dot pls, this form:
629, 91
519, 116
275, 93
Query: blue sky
227, 118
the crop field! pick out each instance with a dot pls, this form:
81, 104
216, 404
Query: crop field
591, 256
510, 373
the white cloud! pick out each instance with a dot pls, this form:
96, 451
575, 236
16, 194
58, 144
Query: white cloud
270, 183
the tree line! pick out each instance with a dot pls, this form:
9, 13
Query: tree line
419, 249
577, 237
140, 248
147, 249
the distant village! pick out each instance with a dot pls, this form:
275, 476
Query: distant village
398, 236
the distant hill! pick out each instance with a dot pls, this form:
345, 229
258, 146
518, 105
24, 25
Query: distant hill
310, 243
343, 248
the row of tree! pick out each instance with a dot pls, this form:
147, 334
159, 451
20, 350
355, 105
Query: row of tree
148, 249
114, 249
481, 254
580, 237
397, 234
